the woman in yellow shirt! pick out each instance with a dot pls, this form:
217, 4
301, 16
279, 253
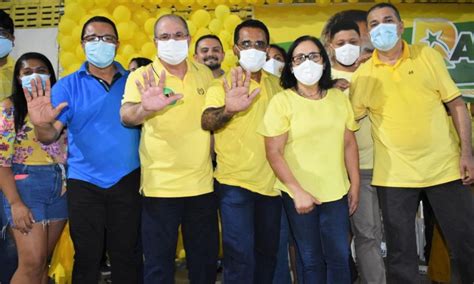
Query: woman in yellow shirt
31, 175
311, 147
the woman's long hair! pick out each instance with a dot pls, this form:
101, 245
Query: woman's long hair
18, 97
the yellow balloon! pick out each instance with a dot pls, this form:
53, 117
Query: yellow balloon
148, 50
200, 32
272, 1
251, 2
204, 3
86, 4
201, 18
122, 60
127, 49
225, 36
235, 2
140, 38
220, 2
287, 1
231, 22
353, 1
66, 42
137, 1
186, 3
140, 16
150, 26
102, 3
155, 2
222, 11
191, 27
215, 26
125, 31
66, 59
100, 12
122, 14
395, 1
76, 33
323, 2
66, 25
74, 11
79, 52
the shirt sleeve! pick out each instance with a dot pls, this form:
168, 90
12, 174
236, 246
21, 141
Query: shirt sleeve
132, 94
445, 85
7, 136
356, 94
276, 120
215, 95
60, 94
351, 123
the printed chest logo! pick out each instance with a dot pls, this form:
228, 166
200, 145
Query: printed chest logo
411, 72
200, 91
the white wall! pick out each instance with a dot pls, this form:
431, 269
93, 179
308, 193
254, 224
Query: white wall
38, 40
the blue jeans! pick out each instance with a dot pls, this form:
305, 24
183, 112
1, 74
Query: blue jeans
250, 233
161, 218
282, 270
322, 240
8, 254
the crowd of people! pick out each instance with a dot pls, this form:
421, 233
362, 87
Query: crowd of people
294, 153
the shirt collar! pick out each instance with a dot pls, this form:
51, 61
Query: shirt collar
83, 70
405, 55
10, 63
158, 66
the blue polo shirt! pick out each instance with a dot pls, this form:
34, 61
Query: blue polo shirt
101, 149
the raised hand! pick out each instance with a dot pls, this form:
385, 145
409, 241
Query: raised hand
237, 95
40, 109
153, 97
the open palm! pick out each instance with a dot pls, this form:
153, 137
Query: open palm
238, 97
153, 96
40, 109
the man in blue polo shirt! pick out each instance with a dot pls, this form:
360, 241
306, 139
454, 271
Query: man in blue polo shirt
103, 175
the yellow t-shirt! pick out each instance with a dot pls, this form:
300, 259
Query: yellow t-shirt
364, 134
412, 142
174, 150
6, 76
241, 158
314, 151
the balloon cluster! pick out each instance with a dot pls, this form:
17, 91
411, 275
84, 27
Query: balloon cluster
135, 20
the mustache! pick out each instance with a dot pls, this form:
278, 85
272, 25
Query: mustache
211, 57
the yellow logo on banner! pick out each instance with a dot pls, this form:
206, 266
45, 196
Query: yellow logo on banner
439, 34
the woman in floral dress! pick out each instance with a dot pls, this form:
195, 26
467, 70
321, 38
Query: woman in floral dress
31, 174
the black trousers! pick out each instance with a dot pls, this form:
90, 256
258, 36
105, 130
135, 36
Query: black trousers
94, 210
453, 207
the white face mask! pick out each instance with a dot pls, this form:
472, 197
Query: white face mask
308, 73
252, 60
274, 67
347, 54
173, 51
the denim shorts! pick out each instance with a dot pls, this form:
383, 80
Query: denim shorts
39, 188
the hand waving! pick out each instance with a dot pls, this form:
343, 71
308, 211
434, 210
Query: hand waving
153, 97
40, 110
237, 95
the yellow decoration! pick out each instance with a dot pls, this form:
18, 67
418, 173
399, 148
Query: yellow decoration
251, 2
63, 256
323, 2
353, 1
222, 11
219, 2
148, 50
186, 3
125, 31
395, 1
235, 2
122, 60
140, 38
225, 36
102, 3
291, 1
231, 22
201, 18
66, 59
121, 14
127, 50
150, 26
204, 3
74, 11
191, 27
66, 25
76, 33
100, 12
271, 2
200, 32
140, 16
215, 26
66, 42
86, 4
79, 52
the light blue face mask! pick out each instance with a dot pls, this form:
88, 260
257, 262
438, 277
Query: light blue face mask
26, 80
384, 36
100, 54
6, 46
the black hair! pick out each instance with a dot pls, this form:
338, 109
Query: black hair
6, 22
141, 61
343, 26
99, 19
206, 37
288, 79
171, 16
347, 15
251, 23
385, 5
18, 96
280, 49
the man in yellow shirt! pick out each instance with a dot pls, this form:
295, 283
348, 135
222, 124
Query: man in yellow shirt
166, 98
345, 43
250, 207
6, 62
403, 90
208, 50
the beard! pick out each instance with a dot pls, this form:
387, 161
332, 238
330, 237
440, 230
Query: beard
212, 62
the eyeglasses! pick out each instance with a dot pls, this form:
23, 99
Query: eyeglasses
176, 36
247, 44
300, 58
104, 38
